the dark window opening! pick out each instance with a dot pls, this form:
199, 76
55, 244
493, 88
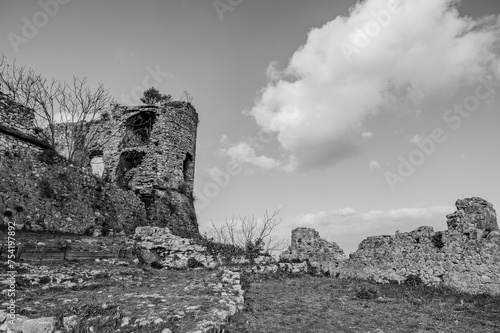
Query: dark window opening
187, 166
138, 129
129, 161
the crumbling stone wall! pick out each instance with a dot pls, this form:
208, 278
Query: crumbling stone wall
41, 196
465, 257
17, 129
39, 191
307, 245
154, 156
149, 150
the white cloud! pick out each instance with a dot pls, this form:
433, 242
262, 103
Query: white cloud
349, 227
319, 105
243, 153
271, 72
374, 165
224, 139
415, 139
347, 220
366, 135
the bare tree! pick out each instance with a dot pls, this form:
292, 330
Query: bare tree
68, 116
243, 231
27, 87
81, 124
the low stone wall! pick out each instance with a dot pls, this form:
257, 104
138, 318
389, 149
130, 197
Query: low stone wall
465, 257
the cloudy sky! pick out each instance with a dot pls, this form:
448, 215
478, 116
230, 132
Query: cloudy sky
354, 118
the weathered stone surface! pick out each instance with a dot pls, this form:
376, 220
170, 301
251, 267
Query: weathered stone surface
12, 325
466, 256
155, 244
153, 155
148, 156
307, 245
65, 198
39, 325
473, 213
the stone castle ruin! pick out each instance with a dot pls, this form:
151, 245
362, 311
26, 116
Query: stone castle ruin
147, 150
465, 257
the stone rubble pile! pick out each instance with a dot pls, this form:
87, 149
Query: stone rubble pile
225, 286
159, 245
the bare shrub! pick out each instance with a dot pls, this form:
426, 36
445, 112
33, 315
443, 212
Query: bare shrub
250, 234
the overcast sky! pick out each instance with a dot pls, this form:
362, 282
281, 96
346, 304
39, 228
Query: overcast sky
356, 119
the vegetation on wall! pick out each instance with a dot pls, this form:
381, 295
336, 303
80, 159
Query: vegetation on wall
64, 111
61, 197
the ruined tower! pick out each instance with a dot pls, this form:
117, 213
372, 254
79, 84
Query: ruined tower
153, 154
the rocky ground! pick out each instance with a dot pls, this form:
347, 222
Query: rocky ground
115, 295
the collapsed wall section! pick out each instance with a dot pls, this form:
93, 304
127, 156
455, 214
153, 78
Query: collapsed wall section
465, 257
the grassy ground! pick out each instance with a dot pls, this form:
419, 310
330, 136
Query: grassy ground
322, 304
103, 295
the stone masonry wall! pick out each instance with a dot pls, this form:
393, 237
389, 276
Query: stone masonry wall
465, 257
147, 150
39, 191
150, 150
154, 157
16, 116
17, 129
307, 245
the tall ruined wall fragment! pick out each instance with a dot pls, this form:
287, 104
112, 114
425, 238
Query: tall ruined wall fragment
152, 152
307, 245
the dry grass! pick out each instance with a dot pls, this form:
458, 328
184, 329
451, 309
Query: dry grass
277, 303
107, 298
324, 304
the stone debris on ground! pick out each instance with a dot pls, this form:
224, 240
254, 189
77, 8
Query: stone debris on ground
465, 257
